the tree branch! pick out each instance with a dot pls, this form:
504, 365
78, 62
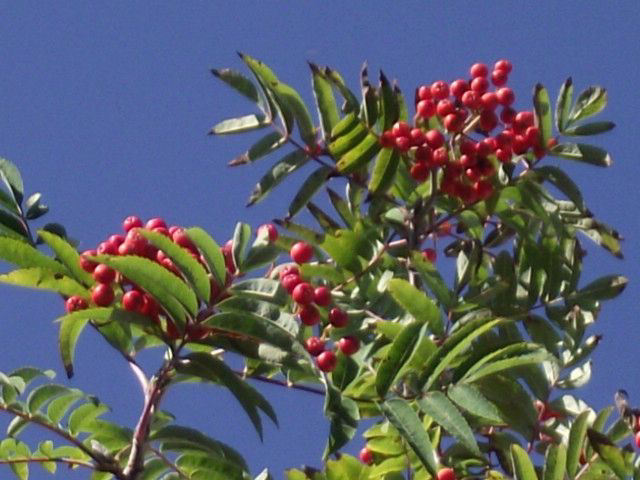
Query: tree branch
67, 461
169, 463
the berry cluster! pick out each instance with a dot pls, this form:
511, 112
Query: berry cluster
447, 115
112, 287
308, 298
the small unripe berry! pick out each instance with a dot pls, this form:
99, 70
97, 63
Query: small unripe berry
366, 456
446, 473
349, 345
75, 303
314, 345
309, 315
131, 222
132, 301
322, 296
301, 252
102, 295
326, 361
303, 294
338, 317
104, 274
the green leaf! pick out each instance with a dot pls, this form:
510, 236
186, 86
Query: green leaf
342, 207
210, 251
348, 139
360, 155
242, 124
239, 242
610, 453
590, 102
67, 254
267, 144
384, 170
259, 329
555, 462
13, 180
433, 280
582, 153
195, 273
22, 254
276, 174
457, 342
397, 356
308, 189
262, 289
604, 288
351, 102
210, 368
563, 104
405, 419
325, 101
45, 280
71, 327
414, 301
446, 414
43, 394
389, 104
325, 221
470, 398
347, 247
11, 225
542, 106
522, 466
562, 182
292, 99
577, 436
239, 82
60, 406
265, 76
170, 292
81, 419
343, 415
593, 128
35, 209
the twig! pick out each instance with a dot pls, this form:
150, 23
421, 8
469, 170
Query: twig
168, 462
65, 460
140, 376
281, 383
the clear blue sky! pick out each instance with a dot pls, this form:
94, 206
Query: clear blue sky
105, 108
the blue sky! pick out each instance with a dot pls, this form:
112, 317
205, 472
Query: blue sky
105, 108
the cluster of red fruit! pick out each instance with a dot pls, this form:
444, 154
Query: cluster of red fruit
110, 285
460, 108
308, 298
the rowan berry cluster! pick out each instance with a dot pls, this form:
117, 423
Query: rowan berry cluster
447, 118
308, 298
111, 287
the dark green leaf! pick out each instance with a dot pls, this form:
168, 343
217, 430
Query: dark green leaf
292, 99
471, 399
237, 81
610, 453
522, 465
348, 139
34, 208
68, 255
71, 327
45, 280
589, 129
308, 189
562, 182
589, 102
388, 103
267, 144
577, 436
405, 419
351, 102
259, 256
261, 289
555, 462
563, 104
342, 207
210, 251
239, 243
582, 153
414, 301
604, 288
433, 280
360, 155
22, 254
13, 180
325, 101
446, 414
325, 221
397, 356
12, 226
242, 124
384, 170
343, 415
542, 107
276, 174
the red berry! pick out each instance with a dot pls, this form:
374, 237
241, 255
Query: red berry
326, 361
440, 156
446, 473
453, 122
289, 282
303, 294
322, 296
423, 154
426, 108
479, 85
155, 223
149, 306
489, 100
162, 231
419, 171
458, 87
552, 142
424, 92
504, 65
505, 96
288, 269
301, 252
131, 222
104, 274
508, 115
478, 70
86, 264
116, 240
444, 229
435, 138
400, 129
132, 301
309, 315
499, 77
387, 140
106, 248
488, 120
181, 238
197, 331
338, 317
524, 119
102, 295
137, 242
482, 188
520, 144
75, 303
366, 456
227, 253
503, 155
470, 99
416, 136
532, 134
429, 254
349, 345
172, 331
637, 438
439, 90
403, 143
445, 107
125, 249
314, 345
